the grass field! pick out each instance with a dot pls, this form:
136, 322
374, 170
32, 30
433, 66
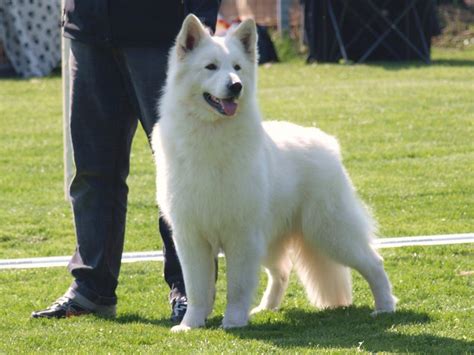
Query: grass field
407, 136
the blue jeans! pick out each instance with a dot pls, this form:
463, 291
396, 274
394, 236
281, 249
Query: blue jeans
111, 90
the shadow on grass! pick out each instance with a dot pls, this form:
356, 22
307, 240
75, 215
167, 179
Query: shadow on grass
453, 62
417, 64
137, 318
351, 327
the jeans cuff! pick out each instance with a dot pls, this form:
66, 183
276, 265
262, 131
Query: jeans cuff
91, 296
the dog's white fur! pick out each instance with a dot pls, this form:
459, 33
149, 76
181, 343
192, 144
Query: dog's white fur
270, 193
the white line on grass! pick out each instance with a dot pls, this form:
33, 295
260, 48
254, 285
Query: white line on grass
31, 263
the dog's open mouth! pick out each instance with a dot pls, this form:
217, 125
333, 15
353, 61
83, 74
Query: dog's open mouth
226, 106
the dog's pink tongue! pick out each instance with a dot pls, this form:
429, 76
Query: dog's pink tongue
229, 106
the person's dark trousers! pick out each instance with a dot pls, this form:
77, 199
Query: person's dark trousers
111, 90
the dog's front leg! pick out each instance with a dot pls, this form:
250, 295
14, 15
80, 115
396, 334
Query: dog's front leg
243, 264
197, 264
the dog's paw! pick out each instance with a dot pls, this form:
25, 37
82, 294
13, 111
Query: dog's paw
235, 317
388, 307
231, 325
180, 328
235, 320
378, 312
257, 309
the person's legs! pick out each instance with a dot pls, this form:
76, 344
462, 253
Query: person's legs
103, 123
146, 69
110, 88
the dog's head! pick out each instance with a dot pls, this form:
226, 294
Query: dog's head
217, 73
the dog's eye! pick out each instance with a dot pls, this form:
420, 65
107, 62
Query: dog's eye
211, 66
237, 67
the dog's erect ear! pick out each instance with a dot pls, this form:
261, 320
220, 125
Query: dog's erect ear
192, 32
246, 33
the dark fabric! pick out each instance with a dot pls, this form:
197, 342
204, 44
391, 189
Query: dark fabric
362, 23
173, 273
133, 22
206, 10
111, 90
155, 21
266, 49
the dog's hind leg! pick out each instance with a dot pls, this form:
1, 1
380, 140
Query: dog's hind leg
198, 265
278, 266
345, 236
369, 264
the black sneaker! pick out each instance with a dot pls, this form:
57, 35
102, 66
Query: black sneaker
179, 305
63, 307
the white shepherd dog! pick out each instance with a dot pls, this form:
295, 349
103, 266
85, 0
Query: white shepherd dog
270, 193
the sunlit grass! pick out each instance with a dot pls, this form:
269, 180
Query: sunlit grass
406, 132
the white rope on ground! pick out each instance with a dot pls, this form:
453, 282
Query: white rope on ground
31, 263
425, 240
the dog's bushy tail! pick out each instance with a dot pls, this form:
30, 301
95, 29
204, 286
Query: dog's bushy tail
327, 283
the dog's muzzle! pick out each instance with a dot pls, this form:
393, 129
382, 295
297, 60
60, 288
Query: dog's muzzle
225, 106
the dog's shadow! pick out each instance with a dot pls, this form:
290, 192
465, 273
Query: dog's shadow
350, 328
137, 318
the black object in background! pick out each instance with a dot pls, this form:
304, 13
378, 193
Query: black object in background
369, 30
266, 49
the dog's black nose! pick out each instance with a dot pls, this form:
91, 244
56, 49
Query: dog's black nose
235, 88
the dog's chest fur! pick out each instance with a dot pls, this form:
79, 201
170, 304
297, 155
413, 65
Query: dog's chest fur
212, 163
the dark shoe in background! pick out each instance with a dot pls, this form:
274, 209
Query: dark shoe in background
179, 305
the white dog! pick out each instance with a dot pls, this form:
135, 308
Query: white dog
268, 193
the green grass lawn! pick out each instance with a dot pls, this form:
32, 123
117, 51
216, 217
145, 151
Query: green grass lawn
407, 136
